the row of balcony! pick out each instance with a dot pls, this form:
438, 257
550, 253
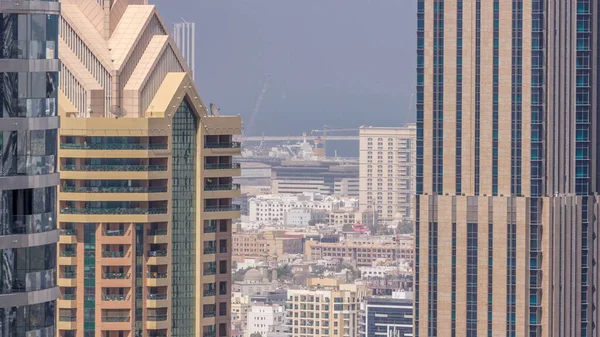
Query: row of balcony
136, 146
127, 189
119, 210
113, 319
114, 253
140, 168
111, 168
120, 189
120, 232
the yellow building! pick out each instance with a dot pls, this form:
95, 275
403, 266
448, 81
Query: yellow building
328, 308
264, 245
362, 252
145, 203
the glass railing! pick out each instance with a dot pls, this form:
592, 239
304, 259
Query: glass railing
114, 232
68, 232
123, 189
69, 274
100, 210
210, 292
222, 166
228, 208
115, 276
210, 271
210, 250
64, 318
210, 334
210, 229
109, 253
112, 146
155, 275
114, 297
156, 318
224, 187
225, 145
157, 297
160, 253
157, 232
114, 319
117, 168
68, 253
210, 314
69, 297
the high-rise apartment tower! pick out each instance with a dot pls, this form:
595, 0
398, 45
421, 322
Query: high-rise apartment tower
28, 176
146, 189
507, 164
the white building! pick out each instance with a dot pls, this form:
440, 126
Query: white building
266, 319
272, 207
377, 271
387, 170
303, 216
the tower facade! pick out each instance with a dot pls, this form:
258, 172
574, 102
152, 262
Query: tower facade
145, 200
184, 34
507, 164
28, 174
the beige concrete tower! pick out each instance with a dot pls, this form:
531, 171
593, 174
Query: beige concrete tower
507, 158
145, 202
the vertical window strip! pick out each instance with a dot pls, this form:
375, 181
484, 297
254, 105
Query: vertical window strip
438, 96
490, 277
535, 268
472, 280
537, 96
477, 89
516, 96
511, 288
433, 279
453, 331
420, 93
585, 266
495, 99
583, 97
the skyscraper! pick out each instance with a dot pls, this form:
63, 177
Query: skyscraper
28, 176
507, 165
146, 188
184, 34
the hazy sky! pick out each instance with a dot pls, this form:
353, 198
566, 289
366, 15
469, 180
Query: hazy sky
343, 63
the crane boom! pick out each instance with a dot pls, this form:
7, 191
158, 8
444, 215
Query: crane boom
259, 100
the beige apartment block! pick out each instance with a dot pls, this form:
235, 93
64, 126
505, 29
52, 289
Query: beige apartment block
145, 200
262, 246
387, 170
327, 308
361, 252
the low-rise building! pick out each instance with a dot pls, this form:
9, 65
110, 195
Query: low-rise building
304, 217
239, 314
326, 177
326, 308
361, 252
272, 207
255, 282
386, 316
263, 246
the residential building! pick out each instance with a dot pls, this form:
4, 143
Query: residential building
507, 164
387, 170
272, 207
240, 305
325, 177
304, 217
327, 308
270, 297
28, 173
362, 253
386, 316
340, 217
266, 319
146, 181
262, 246
184, 34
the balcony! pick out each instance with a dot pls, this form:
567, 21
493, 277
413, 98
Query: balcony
112, 146
156, 318
113, 254
225, 145
68, 232
123, 189
157, 297
230, 166
69, 297
227, 208
114, 232
71, 318
210, 334
210, 250
115, 319
209, 314
114, 297
154, 279
115, 168
210, 292
223, 187
159, 253
112, 211
210, 271
68, 253
115, 276
157, 257
157, 232
210, 228
156, 322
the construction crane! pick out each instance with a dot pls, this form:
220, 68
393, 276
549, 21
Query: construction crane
259, 100
326, 130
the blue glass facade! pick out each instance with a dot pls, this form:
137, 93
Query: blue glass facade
386, 317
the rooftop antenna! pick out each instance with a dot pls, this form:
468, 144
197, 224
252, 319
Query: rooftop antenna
214, 111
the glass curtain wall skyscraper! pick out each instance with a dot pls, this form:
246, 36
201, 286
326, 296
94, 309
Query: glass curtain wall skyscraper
507, 165
28, 177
